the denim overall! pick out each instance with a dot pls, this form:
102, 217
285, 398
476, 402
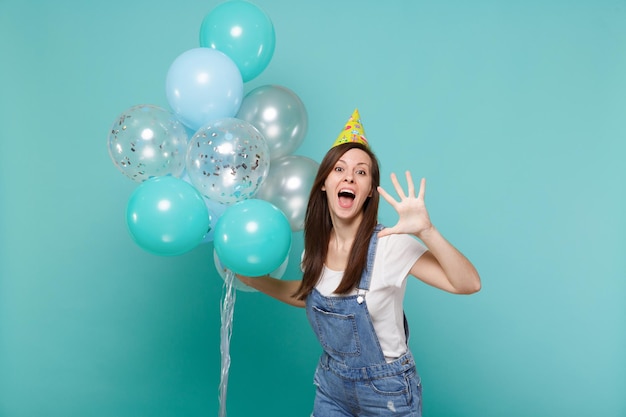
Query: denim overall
353, 377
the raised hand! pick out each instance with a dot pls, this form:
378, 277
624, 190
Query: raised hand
413, 216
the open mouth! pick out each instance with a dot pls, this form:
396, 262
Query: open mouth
346, 198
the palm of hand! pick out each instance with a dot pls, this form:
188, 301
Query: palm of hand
411, 209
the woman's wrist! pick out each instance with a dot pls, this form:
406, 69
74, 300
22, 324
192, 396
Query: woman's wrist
426, 233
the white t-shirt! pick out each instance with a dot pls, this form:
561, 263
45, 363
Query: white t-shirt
395, 255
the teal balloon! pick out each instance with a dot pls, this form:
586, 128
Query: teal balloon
242, 31
167, 216
252, 238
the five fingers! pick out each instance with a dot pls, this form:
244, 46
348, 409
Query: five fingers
402, 195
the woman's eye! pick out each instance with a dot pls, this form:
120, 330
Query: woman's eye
360, 172
338, 169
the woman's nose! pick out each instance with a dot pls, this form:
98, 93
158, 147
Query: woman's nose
348, 178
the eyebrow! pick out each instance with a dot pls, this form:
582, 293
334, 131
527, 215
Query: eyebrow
358, 163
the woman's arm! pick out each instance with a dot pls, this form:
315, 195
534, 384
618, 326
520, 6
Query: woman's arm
442, 266
276, 288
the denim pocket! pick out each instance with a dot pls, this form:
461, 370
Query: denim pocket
387, 396
337, 332
391, 385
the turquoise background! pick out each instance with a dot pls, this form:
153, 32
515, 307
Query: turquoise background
513, 111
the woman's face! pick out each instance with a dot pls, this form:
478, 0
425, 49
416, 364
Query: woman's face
349, 184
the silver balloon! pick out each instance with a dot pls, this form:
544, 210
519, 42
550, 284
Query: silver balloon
280, 116
288, 185
227, 160
147, 141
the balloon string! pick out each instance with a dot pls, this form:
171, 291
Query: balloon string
227, 307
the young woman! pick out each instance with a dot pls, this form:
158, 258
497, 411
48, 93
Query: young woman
353, 284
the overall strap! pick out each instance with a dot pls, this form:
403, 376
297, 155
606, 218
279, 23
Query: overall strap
364, 283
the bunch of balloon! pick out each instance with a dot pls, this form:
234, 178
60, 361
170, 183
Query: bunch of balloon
204, 90
202, 163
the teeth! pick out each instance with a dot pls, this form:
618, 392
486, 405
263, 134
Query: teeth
348, 192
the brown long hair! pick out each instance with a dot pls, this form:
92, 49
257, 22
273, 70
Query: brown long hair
318, 226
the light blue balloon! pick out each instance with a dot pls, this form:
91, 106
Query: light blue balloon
167, 216
242, 31
202, 85
252, 238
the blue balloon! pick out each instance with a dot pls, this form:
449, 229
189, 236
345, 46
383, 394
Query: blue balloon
252, 238
203, 84
167, 216
242, 31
